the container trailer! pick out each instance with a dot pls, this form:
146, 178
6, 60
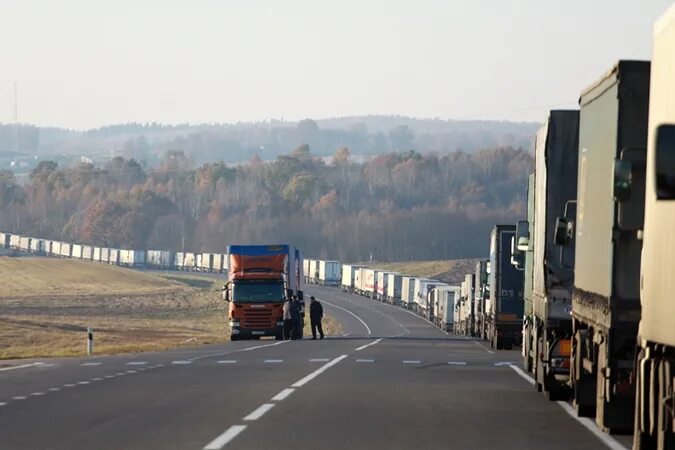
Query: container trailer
348, 283
15, 242
505, 309
655, 361
606, 297
382, 284
443, 298
422, 304
24, 243
394, 285
4, 240
369, 282
76, 251
481, 293
408, 292
329, 273
38, 246
87, 252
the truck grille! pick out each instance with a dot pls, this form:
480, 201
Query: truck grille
258, 318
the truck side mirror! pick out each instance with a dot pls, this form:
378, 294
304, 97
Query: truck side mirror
517, 256
623, 180
562, 235
629, 188
665, 162
226, 294
523, 236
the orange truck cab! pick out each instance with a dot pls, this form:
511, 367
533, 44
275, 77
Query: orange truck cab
260, 279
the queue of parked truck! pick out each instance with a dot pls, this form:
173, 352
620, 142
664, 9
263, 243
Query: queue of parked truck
583, 284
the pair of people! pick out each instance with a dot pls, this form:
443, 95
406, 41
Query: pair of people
292, 317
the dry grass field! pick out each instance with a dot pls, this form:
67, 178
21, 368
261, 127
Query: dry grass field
449, 271
47, 304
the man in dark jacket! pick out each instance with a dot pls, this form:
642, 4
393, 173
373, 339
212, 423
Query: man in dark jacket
315, 316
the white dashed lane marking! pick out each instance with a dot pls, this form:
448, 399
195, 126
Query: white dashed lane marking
19, 397
273, 361
283, 394
365, 360
456, 363
181, 362
259, 412
37, 394
222, 440
82, 382
137, 363
227, 361
412, 361
3, 403
91, 364
319, 360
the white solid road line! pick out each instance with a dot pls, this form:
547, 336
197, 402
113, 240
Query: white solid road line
273, 361
283, 394
303, 381
348, 312
23, 366
91, 364
606, 439
522, 373
248, 349
481, 346
227, 361
376, 341
457, 363
259, 412
226, 437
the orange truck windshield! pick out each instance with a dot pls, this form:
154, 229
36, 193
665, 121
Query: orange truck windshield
258, 292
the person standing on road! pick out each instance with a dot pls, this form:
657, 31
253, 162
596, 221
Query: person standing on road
315, 316
295, 319
287, 319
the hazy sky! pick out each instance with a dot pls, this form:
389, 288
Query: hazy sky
87, 63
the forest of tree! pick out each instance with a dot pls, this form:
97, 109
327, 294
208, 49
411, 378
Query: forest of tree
397, 206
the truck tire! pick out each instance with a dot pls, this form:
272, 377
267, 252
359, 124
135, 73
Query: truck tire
234, 337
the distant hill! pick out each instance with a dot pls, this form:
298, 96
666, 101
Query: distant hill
363, 135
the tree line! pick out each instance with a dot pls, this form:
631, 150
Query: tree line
395, 206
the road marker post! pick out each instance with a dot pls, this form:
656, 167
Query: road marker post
90, 341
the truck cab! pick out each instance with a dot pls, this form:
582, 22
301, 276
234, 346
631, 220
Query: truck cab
261, 279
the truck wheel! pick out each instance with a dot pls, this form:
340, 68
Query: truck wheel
234, 337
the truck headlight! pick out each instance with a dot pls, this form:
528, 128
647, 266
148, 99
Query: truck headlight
234, 323
280, 323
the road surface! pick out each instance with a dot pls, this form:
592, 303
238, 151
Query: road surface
391, 381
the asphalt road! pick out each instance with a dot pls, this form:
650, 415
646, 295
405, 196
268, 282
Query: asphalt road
392, 381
